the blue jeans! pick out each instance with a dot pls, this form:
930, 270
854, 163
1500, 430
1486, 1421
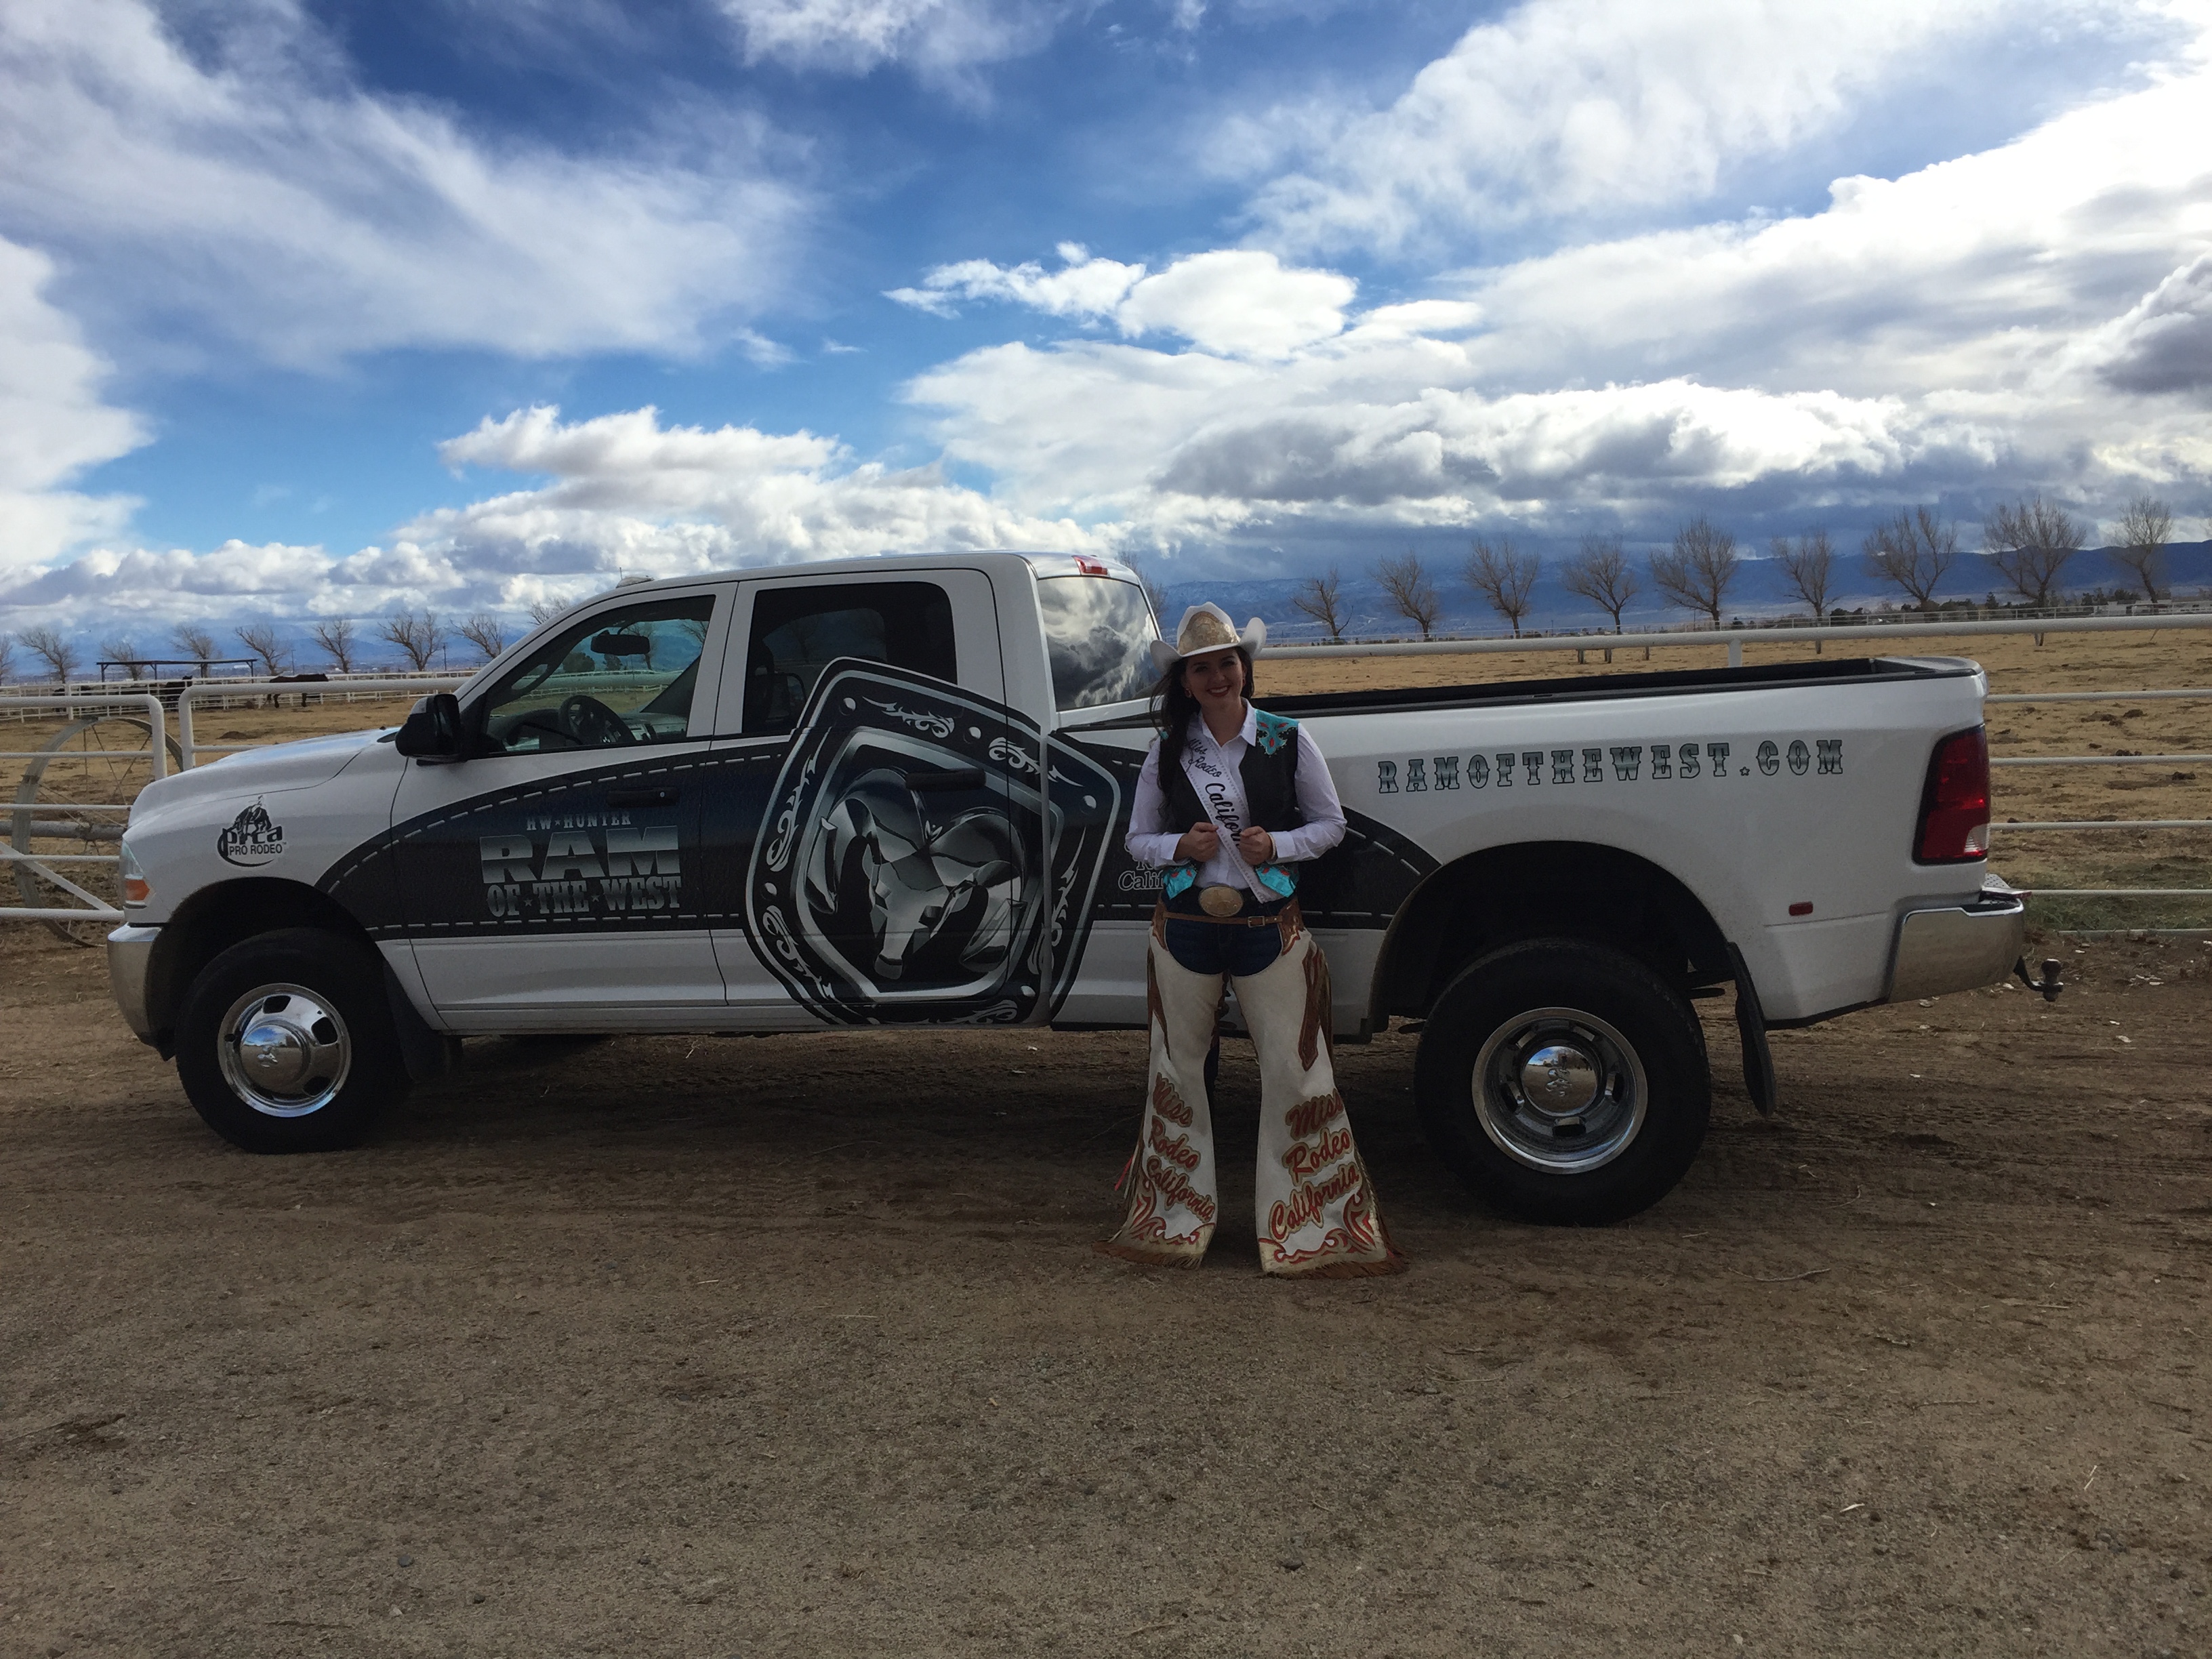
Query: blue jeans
1211, 947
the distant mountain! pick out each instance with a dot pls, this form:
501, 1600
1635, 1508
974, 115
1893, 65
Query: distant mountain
1760, 590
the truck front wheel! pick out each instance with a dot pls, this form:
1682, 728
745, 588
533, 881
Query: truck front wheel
285, 1042
1564, 1081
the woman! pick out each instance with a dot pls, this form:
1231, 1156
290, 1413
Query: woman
1230, 801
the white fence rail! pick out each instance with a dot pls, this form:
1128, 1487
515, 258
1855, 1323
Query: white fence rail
1881, 638
1905, 634
227, 693
30, 869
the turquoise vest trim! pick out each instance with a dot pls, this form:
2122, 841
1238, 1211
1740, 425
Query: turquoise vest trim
1273, 731
1179, 879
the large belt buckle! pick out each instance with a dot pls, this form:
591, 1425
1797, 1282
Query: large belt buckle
1220, 901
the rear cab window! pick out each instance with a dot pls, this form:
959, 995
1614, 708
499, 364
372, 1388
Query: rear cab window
797, 632
621, 677
1099, 636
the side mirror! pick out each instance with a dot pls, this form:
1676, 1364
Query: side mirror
431, 731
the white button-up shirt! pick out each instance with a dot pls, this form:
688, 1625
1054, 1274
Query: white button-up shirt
1212, 770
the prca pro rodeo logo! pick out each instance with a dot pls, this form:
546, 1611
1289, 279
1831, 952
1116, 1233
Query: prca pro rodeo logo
251, 839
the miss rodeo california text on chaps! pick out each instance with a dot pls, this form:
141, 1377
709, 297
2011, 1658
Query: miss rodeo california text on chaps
1230, 801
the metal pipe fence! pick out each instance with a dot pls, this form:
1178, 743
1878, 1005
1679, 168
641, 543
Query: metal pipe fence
44, 812
231, 693
1904, 634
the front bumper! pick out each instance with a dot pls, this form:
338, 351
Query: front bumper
129, 956
1959, 947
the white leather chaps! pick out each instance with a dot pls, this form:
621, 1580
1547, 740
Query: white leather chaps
1315, 1210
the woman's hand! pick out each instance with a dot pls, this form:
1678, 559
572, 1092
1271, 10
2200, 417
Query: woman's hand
1257, 846
1200, 842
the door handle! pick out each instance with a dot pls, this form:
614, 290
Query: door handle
641, 797
959, 777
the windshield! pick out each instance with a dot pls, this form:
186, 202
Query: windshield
1100, 634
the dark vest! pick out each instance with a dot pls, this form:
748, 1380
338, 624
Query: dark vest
1269, 773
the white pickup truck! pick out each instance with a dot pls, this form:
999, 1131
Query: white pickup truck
894, 791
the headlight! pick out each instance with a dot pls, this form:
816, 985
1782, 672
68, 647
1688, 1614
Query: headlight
136, 890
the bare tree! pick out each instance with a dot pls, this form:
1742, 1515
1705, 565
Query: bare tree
195, 642
1406, 583
260, 638
1601, 573
1911, 552
2031, 543
1153, 595
58, 655
2145, 528
1503, 577
124, 653
417, 637
7, 658
485, 631
334, 638
1322, 598
544, 610
1809, 565
1697, 572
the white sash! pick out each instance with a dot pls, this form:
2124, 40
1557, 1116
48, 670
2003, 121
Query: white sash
1229, 827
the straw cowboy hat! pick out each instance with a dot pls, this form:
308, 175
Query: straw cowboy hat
1207, 627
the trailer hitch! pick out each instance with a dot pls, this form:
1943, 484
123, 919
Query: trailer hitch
2049, 984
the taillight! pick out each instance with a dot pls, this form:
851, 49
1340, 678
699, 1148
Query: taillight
1954, 807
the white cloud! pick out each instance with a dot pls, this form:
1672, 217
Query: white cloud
248, 186
54, 424
2165, 341
1237, 302
2036, 315
936, 37
627, 493
1972, 270
1565, 109
1240, 302
1084, 287
625, 496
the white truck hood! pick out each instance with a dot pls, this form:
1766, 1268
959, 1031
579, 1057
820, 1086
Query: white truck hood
257, 772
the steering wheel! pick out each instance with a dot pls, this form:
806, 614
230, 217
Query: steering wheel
593, 723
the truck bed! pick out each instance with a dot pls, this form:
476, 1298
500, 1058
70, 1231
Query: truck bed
1842, 670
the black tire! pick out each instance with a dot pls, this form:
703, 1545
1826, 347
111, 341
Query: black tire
329, 1059
1602, 1032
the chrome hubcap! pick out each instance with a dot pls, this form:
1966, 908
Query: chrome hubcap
284, 1050
1559, 1090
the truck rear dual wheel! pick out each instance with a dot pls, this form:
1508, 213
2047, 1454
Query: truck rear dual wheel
1564, 1081
286, 1042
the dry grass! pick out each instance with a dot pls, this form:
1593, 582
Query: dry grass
2152, 660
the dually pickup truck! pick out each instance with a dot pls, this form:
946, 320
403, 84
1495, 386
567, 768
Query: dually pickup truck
894, 791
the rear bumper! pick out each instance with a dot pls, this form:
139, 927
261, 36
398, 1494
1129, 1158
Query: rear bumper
1958, 947
129, 956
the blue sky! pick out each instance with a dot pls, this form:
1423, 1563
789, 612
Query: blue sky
325, 308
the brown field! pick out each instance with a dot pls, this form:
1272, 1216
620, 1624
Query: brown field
2153, 659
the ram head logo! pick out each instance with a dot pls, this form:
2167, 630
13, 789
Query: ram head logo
934, 901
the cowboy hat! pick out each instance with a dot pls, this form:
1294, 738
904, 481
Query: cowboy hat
1207, 627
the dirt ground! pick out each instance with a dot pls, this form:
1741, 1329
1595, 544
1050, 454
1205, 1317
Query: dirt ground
796, 1345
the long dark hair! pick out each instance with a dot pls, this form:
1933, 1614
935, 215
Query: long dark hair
1173, 706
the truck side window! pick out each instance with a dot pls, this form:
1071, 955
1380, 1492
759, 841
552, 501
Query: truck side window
620, 675
797, 632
